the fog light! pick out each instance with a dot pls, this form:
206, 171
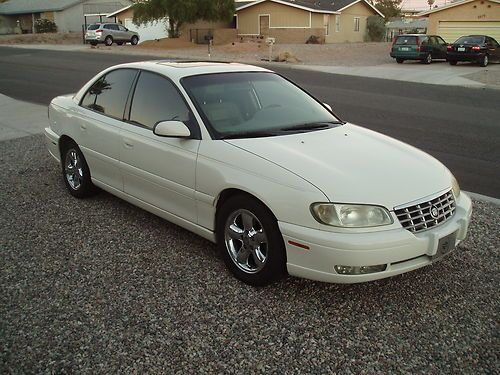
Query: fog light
359, 270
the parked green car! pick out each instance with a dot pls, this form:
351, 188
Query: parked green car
418, 47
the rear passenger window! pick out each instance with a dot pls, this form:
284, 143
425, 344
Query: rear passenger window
156, 99
108, 94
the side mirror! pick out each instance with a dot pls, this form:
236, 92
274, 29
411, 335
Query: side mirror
328, 106
172, 129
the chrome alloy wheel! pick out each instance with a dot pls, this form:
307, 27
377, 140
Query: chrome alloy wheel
73, 169
246, 241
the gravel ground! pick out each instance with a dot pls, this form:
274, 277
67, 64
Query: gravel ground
99, 286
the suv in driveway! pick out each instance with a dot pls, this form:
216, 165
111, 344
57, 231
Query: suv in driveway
109, 33
418, 47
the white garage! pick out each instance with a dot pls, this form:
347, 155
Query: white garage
452, 30
464, 17
149, 31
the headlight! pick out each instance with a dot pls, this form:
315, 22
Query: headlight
455, 187
350, 215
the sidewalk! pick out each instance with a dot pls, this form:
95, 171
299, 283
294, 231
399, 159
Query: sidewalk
437, 73
20, 119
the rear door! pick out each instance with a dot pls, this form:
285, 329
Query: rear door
441, 47
100, 119
158, 170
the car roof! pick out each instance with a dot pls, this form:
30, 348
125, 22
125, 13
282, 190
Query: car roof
180, 69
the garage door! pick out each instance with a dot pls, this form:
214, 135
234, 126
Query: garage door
452, 30
149, 31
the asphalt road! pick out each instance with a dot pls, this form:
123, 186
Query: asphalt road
459, 126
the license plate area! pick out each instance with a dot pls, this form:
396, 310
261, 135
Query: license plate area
404, 49
461, 49
445, 245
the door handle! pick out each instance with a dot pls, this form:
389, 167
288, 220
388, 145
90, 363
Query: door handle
83, 127
128, 143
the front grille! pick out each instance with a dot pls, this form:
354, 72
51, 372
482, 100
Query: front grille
425, 215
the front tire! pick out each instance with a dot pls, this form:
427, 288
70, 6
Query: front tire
108, 41
399, 60
76, 173
249, 241
134, 40
484, 61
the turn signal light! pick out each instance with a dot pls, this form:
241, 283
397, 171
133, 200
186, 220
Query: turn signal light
449, 48
99, 31
475, 48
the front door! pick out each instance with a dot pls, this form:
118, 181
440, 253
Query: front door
158, 170
264, 25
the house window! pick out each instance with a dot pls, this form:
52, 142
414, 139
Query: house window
326, 22
337, 23
356, 23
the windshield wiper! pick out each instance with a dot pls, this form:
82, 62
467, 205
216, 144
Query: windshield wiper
256, 134
312, 126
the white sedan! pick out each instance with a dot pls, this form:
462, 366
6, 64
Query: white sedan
245, 158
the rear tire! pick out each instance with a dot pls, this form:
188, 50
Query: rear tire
249, 241
484, 61
428, 59
452, 62
76, 172
93, 44
108, 41
134, 40
399, 60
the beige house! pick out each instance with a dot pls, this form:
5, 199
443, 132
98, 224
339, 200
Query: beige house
294, 21
19, 16
465, 17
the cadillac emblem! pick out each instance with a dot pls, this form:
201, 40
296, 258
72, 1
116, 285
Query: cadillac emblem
434, 212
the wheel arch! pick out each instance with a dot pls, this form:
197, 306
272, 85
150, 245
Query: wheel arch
63, 141
227, 193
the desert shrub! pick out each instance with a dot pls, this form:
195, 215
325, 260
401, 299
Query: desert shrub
375, 29
43, 25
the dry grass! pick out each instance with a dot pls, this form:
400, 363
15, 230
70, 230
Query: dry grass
48, 38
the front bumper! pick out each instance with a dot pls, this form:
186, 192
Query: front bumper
52, 142
399, 249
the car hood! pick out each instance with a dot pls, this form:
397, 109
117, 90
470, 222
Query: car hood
351, 164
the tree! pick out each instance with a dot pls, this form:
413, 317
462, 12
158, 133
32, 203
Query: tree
389, 8
180, 12
375, 29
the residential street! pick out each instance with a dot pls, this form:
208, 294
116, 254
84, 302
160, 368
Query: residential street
459, 126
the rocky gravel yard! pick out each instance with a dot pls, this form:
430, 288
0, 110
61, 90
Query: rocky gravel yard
99, 286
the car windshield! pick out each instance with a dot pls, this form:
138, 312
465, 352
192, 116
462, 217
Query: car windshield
93, 27
406, 40
470, 40
255, 104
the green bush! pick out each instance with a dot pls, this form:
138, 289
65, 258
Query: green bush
43, 25
375, 29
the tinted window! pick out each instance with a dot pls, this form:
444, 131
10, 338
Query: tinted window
93, 27
111, 27
406, 40
122, 28
109, 94
156, 99
470, 40
235, 104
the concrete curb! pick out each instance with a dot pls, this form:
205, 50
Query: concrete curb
483, 198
